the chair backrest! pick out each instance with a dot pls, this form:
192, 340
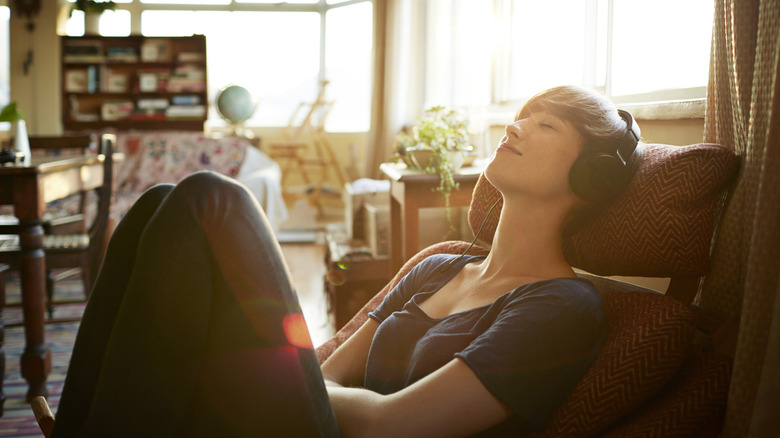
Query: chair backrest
53, 143
661, 226
99, 227
66, 145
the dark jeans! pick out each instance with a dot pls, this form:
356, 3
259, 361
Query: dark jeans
184, 333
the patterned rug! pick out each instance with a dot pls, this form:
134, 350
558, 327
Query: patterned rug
18, 419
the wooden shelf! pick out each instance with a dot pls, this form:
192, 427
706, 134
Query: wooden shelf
105, 80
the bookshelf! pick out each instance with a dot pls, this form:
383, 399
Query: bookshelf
134, 82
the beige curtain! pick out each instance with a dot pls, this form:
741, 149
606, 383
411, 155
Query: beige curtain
743, 112
397, 76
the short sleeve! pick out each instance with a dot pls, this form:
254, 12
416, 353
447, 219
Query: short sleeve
409, 285
539, 347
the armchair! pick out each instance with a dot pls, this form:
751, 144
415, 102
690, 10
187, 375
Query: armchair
656, 375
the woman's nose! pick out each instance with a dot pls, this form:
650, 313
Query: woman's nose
515, 131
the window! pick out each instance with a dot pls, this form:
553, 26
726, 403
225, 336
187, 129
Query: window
635, 51
278, 51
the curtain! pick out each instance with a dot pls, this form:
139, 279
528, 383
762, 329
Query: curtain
743, 112
397, 76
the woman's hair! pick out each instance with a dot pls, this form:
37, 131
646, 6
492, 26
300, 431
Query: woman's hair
593, 115
597, 119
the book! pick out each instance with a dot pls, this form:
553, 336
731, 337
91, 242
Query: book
116, 82
186, 111
155, 50
116, 110
76, 81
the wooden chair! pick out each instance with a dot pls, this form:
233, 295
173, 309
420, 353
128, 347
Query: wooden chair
66, 249
75, 223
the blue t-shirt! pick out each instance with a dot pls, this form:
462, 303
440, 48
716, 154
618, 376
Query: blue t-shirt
530, 347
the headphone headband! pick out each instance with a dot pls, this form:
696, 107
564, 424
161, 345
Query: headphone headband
630, 139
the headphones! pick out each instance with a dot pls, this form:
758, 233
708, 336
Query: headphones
599, 176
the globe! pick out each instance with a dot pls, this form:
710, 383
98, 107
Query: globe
235, 104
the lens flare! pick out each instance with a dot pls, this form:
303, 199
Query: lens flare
336, 277
296, 331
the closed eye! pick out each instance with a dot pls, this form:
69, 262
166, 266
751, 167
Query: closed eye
546, 126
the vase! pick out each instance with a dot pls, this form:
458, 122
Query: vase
21, 143
421, 158
91, 23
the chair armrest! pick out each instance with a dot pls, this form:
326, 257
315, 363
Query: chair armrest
43, 415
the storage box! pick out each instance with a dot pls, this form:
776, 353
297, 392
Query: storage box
353, 276
377, 228
356, 195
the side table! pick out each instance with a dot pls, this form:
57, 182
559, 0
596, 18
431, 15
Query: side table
411, 190
353, 276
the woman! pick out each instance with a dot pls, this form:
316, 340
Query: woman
193, 327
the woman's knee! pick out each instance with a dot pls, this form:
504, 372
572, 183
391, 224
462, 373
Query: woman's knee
214, 192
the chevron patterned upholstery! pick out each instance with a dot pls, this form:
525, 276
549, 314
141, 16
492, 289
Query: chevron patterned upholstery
660, 227
691, 405
649, 379
648, 339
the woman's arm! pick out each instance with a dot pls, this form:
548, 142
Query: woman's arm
347, 365
450, 402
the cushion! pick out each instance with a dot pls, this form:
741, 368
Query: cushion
661, 226
648, 338
692, 404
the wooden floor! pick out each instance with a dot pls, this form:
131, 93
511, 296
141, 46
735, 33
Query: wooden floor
306, 262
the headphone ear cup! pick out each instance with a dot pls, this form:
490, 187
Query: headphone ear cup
593, 176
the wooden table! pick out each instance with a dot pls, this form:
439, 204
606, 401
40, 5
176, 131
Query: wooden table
28, 189
411, 190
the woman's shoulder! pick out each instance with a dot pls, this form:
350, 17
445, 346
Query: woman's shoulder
564, 290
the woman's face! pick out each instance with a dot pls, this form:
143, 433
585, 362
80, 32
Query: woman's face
535, 156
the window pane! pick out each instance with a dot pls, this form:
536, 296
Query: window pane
457, 52
274, 55
277, 1
115, 23
548, 46
112, 23
348, 66
660, 45
187, 2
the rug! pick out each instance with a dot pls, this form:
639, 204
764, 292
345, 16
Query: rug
18, 419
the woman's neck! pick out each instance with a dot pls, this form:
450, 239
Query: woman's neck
527, 243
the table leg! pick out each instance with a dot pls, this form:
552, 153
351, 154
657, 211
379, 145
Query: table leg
36, 359
3, 268
411, 224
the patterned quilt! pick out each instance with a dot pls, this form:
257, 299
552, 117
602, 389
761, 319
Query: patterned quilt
168, 156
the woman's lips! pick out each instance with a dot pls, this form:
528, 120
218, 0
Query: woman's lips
509, 148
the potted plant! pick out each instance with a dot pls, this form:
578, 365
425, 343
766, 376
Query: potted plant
21, 144
437, 144
92, 10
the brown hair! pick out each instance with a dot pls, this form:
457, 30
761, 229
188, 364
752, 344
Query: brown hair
593, 115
